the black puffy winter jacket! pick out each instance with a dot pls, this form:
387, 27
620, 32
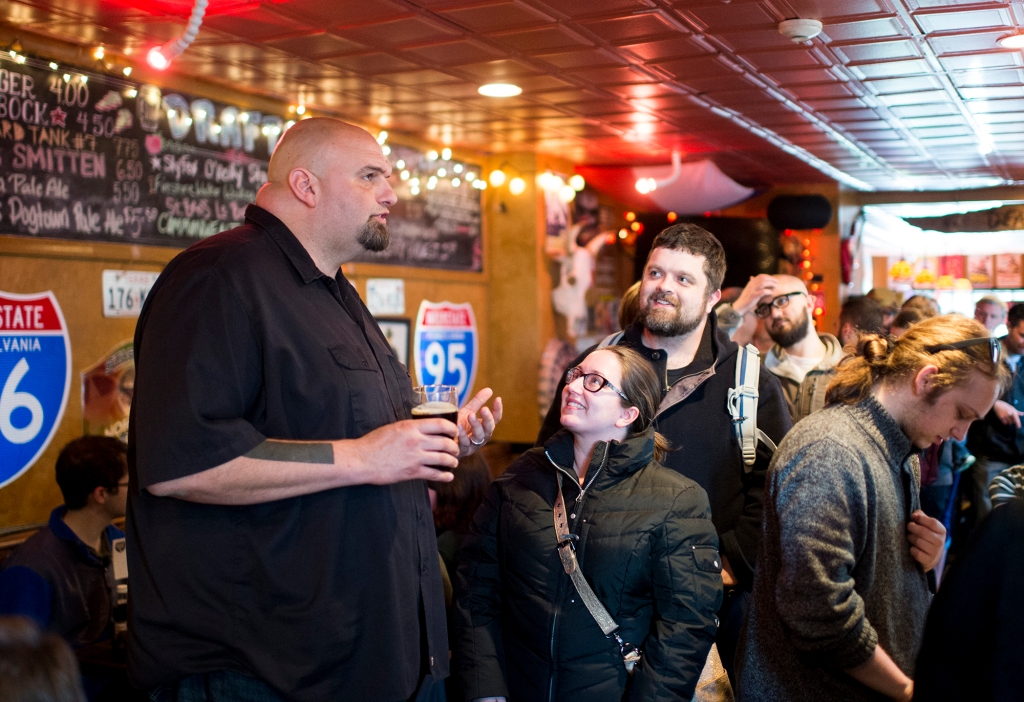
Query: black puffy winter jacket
646, 546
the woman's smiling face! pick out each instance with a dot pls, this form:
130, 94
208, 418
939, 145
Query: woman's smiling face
600, 413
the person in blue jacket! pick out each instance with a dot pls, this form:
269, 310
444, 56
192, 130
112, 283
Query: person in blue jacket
62, 576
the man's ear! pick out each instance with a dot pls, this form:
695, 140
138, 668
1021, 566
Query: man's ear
304, 186
99, 495
924, 380
627, 417
713, 299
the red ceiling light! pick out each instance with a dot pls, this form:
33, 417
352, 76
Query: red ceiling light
156, 59
160, 57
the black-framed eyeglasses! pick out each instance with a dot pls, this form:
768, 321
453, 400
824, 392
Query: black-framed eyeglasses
995, 348
592, 382
765, 310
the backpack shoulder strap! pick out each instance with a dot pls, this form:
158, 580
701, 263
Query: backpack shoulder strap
742, 405
611, 340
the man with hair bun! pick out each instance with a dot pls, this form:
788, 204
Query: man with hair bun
841, 591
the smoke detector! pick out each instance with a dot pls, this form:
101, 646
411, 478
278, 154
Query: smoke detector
800, 30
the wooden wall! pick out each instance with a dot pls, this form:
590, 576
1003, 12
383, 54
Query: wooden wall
72, 270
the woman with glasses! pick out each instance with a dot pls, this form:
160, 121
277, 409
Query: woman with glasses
591, 572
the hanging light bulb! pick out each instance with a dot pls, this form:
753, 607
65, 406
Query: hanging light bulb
497, 178
517, 186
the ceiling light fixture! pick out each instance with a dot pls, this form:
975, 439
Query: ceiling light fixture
499, 90
1012, 41
649, 185
800, 30
160, 57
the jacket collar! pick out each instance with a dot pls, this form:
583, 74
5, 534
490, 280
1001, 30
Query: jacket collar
283, 236
778, 360
619, 458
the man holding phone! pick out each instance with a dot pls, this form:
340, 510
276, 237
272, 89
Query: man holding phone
280, 537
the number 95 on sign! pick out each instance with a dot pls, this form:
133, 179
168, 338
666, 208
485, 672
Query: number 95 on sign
446, 346
125, 291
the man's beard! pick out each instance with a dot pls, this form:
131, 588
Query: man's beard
796, 333
668, 322
374, 236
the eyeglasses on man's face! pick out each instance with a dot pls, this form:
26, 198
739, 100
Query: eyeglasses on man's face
995, 348
592, 382
780, 302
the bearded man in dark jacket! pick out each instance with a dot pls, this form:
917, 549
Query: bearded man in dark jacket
677, 332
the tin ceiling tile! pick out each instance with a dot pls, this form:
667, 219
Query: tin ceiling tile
967, 19
453, 53
496, 16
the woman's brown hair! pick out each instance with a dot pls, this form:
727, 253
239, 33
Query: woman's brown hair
881, 359
641, 385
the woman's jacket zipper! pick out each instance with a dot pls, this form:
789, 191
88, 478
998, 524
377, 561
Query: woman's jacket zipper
572, 528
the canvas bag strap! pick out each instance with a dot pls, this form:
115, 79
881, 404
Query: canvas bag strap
567, 553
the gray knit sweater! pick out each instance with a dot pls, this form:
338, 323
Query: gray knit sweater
835, 576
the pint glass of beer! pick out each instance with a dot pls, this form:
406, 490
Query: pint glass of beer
440, 401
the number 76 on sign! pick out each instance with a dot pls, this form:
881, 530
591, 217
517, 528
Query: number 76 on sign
124, 292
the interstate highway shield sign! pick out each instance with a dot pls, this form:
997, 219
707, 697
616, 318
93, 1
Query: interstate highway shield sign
35, 376
446, 346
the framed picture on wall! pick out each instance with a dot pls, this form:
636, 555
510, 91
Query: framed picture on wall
396, 331
1008, 271
980, 271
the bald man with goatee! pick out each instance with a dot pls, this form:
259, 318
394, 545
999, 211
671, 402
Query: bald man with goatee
803, 360
280, 539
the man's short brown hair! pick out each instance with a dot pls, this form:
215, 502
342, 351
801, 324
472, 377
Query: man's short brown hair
698, 242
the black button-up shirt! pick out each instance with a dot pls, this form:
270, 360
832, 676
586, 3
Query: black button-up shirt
324, 596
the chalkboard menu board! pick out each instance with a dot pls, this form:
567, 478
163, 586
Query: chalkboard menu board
85, 156
91, 157
436, 223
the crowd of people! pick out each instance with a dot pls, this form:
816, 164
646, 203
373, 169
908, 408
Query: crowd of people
694, 522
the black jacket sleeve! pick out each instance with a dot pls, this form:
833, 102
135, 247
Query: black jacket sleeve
740, 544
478, 654
552, 422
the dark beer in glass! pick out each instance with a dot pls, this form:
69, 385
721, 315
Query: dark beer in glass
436, 402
